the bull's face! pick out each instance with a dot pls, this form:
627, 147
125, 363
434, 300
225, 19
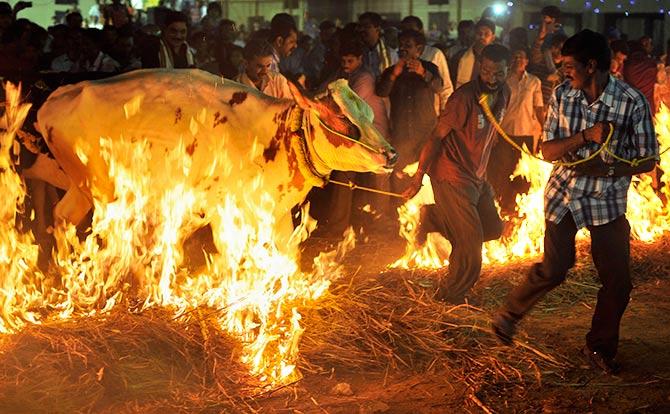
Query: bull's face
342, 133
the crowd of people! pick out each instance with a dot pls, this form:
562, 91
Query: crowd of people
553, 92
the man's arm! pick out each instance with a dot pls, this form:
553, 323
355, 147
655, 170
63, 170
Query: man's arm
429, 153
387, 79
557, 148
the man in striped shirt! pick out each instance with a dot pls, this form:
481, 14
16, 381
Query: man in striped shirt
591, 194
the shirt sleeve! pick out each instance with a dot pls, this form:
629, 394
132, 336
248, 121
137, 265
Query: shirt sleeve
644, 135
454, 115
550, 129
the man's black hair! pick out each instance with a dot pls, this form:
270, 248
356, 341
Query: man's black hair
352, 47
282, 25
256, 48
374, 18
587, 45
173, 16
496, 53
413, 20
486, 23
551, 11
326, 25
418, 37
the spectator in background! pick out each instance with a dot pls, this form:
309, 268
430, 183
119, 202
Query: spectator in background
95, 15
467, 63
315, 58
293, 66
464, 40
647, 45
258, 72
124, 51
435, 56
620, 53
518, 39
283, 37
379, 56
116, 14
524, 126
640, 72
361, 81
550, 26
210, 23
547, 65
171, 50
411, 84
73, 20
224, 48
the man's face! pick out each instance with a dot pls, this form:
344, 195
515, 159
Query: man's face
549, 21
519, 61
327, 34
175, 34
288, 44
576, 72
74, 21
259, 67
228, 32
369, 32
493, 74
408, 49
350, 63
484, 36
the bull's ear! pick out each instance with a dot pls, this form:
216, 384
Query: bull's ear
300, 96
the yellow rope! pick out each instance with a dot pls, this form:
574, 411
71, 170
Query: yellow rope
605, 146
355, 186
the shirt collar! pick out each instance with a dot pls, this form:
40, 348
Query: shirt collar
606, 97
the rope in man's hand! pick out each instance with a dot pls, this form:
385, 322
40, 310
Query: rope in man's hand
483, 101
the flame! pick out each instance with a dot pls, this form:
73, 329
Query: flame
133, 254
18, 251
648, 213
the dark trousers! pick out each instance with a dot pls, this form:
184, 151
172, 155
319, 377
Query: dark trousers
467, 216
610, 249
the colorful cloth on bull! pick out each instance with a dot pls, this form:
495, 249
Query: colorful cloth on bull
595, 201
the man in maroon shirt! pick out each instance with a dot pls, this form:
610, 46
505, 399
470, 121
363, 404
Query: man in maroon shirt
456, 157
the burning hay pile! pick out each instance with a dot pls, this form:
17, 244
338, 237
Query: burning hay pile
119, 324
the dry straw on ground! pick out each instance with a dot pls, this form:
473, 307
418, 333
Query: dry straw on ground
152, 362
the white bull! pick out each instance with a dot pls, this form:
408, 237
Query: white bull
298, 143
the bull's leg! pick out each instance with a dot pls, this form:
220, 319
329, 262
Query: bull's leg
46, 169
73, 207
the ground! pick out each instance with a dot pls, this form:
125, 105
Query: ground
559, 324
150, 368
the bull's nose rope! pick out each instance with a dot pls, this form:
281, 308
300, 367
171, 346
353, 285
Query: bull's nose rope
355, 186
312, 168
483, 101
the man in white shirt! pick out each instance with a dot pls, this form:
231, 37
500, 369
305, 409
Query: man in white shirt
524, 126
258, 73
467, 62
434, 55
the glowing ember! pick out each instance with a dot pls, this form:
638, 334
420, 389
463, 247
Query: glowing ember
649, 214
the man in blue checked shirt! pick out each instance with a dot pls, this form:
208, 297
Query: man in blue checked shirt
590, 194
